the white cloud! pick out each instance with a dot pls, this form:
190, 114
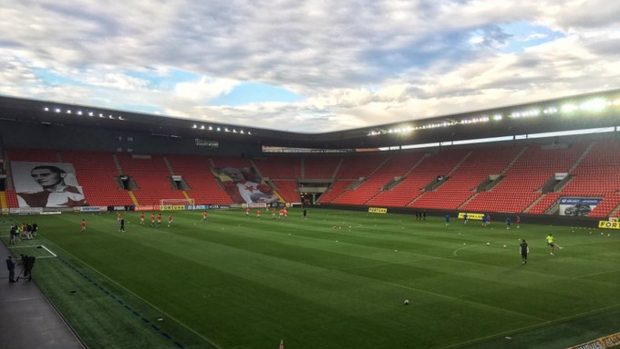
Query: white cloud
357, 65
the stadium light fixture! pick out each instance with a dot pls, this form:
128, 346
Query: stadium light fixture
121, 118
250, 133
569, 108
219, 129
57, 110
210, 128
90, 113
79, 112
497, 117
594, 105
202, 127
194, 126
241, 131
68, 111
46, 109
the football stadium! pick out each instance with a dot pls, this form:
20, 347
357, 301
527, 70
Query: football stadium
496, 225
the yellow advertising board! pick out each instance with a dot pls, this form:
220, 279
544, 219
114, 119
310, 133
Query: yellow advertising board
377, 210
608, 225
172, 207
472, 216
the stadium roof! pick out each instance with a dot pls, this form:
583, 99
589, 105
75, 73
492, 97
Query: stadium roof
600, 109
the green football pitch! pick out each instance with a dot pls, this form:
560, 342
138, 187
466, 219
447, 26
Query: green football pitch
338, 279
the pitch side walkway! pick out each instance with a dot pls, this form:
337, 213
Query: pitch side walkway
27, 320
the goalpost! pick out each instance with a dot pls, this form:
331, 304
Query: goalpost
177, 202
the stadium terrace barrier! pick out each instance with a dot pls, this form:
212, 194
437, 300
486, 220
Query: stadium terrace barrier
610, 341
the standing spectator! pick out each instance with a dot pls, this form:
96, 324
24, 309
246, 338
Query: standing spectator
10, 265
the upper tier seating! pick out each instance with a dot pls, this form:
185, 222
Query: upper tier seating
397, 165
462, 184
151, 176
522, 183
279, 167
320, 167
97, 174
196, 172
427, 170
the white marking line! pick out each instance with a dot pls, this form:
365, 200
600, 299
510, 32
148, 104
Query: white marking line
47, 249
456, 252
24, 246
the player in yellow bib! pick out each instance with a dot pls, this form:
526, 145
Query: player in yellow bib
551, 243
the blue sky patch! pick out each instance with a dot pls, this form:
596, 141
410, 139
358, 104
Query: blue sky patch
525, 34
256, 92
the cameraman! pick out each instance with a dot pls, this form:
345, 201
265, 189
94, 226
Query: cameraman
27, 264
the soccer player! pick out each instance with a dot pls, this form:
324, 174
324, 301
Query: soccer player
525, 250
518, 221
158, 219
281, 213
285, 212
465, 218
447, 219
551, 243
258, 213
152, 219
121, 229
484, 220
305, 214
170, 220
273, 213
83, 225
118, 217
142, 219
508, 222
247, 211
205, 214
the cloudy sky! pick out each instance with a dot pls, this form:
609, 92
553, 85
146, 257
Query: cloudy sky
307, 66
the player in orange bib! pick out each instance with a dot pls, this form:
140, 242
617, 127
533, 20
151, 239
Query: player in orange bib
158, 219
247, 211
170, 219
83, 226
142, 219
152, 219
205, 215
258, 212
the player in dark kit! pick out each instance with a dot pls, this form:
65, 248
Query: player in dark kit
525, 250
122, 225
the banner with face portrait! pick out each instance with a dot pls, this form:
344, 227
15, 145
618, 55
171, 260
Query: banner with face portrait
46, 184
245, 186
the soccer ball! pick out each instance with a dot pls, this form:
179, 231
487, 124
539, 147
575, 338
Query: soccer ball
488, 243
504, 246
406, 302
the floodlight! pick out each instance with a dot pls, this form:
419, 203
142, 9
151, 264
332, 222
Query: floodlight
100, 115
241, 131
194, 126
234, 130
594, 105
202, 127
57, 110
569, 107
250, 133
219, 129
210, 128
46, 109
497, 117
121, 118
90, 113
79, 112
68, 111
